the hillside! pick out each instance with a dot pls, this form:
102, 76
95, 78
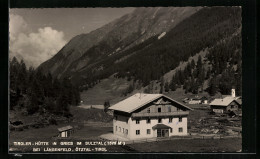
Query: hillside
113, 89
121, 34
163, 50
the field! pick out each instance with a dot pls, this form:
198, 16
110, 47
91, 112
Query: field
89, 124
190, 145
89, 132
109, 89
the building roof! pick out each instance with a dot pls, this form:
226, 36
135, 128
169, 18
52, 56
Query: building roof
239, 101
138, 100
223, 101
65, 128
161, 126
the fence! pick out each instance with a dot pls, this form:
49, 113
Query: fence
92, 106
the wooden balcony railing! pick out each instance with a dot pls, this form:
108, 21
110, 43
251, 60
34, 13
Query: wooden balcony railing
161, 114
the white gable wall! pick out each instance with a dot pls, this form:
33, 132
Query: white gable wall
121, 125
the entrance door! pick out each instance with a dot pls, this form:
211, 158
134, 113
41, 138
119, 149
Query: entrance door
166, 133
162, 133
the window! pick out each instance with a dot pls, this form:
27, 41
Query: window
137, 132
159, 110
148, 131
170, 120
171, 130
169, 109
116, 128
180, 130
180, 119
126, 131
160, 120
127, 121
148, 121
137, 121
123, 130
148, 110
115, 117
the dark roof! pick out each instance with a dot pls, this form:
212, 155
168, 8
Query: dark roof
161, 126
65, 128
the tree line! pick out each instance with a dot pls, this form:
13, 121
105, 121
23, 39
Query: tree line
37, 92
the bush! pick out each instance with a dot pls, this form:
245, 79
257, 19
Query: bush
12, 128
25, 127
32, 109
20, 128
212, 113
67, 114
52, 121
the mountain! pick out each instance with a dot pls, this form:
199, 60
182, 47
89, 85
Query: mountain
149, 43
119, 35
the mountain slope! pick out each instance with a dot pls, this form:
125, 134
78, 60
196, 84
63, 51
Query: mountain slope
119, 35
140, 48
151, 59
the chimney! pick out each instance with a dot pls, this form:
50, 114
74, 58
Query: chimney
233, 93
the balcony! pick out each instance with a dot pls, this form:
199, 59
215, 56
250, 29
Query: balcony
161, 114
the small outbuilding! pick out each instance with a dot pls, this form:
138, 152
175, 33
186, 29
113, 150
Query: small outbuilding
204, 100
195, 101
65, 131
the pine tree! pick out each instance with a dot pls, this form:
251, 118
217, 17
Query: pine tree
166, 86
162, 85
181, 77
22, 76
173, 84
199, 63
106, 105
62, 104
212, 89
189, 69
33, 104
14, 90
186, 86
208, 73
192, 64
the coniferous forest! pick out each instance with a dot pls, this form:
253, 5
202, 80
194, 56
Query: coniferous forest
35, 92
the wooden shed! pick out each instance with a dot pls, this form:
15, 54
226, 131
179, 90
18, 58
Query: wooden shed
65, 131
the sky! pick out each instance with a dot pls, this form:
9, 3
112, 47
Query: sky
35, 35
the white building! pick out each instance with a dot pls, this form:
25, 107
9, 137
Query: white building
149, 115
